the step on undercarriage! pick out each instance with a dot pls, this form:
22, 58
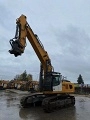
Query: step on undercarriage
49, 103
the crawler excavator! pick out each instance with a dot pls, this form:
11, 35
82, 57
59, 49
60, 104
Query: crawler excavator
54, 92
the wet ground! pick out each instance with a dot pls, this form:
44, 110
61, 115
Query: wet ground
10, 109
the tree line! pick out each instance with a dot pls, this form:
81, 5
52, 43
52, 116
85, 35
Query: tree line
28, 77
24, 77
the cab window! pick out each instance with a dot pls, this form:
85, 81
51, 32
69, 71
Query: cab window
56, 80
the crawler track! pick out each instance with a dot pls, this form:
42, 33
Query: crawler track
56, 102
32, 100
49, 103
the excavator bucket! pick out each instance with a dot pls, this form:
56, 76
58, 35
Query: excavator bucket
16, 48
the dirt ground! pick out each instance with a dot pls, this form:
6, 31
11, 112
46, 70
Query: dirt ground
10, 109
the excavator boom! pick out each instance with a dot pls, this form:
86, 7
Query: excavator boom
24, 30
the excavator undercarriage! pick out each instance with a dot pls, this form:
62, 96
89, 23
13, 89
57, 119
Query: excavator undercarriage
49, 102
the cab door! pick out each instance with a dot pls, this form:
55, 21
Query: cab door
57, 84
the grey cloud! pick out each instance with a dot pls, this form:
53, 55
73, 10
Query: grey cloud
63, 28
73, 56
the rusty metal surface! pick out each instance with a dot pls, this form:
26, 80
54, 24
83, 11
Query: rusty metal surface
10, 109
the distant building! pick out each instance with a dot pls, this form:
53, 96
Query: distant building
76, 85
80, 85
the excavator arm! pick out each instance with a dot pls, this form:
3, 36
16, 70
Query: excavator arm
23, 31
18, 44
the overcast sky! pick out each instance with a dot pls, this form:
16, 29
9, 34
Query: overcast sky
63, 27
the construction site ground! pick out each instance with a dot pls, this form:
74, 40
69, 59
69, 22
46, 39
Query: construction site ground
10, 108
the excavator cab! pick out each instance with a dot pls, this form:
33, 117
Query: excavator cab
52, 80
16, 47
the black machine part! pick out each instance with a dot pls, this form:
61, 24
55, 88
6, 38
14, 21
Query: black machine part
16, 47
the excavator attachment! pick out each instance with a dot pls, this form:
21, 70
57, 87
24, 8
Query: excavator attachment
17, 48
